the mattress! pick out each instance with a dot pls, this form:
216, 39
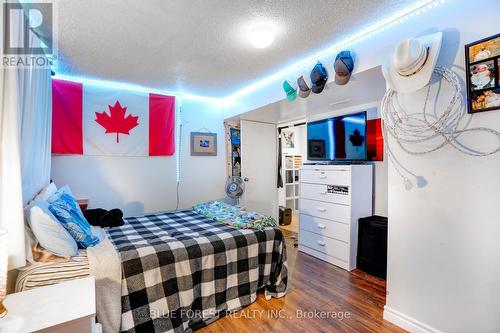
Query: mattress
182, 270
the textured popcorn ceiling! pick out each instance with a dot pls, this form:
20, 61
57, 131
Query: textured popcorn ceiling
200, 46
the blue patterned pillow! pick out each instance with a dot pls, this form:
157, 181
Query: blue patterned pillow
67, 211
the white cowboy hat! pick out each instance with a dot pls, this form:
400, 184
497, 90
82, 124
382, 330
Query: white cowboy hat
410, 67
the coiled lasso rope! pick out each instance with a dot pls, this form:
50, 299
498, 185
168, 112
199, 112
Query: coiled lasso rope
411, 129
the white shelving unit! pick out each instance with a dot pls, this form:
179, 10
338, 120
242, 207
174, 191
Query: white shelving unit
291, 180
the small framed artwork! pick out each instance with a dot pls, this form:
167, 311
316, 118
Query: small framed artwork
288, 139
203, 144
482, 63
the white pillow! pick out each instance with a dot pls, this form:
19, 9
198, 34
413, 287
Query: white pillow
46, 192
49, 232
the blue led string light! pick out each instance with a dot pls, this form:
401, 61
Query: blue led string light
378, 27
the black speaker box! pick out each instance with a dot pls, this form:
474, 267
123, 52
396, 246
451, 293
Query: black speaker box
372, 246
285, 217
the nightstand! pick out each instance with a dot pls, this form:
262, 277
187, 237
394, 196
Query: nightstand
63, 307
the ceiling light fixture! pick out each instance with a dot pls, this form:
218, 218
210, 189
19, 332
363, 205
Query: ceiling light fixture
261, 37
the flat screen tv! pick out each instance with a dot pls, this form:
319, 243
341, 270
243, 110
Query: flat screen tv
338, 138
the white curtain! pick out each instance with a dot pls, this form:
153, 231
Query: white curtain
36, 129
11, 204
25, 139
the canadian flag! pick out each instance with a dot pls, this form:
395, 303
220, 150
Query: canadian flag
93, 120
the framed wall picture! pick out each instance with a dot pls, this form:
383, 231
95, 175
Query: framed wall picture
482, 64
203, 144
288, 139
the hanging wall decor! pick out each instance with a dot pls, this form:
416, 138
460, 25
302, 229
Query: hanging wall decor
109, 121
203, 144
422, 132
482, 60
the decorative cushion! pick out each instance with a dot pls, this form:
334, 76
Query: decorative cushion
46, 192
48, 231
67, 211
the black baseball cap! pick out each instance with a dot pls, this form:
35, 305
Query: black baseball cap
319, 77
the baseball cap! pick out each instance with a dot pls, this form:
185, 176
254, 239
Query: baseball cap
304, 87
290, 88
343, 65
319, 77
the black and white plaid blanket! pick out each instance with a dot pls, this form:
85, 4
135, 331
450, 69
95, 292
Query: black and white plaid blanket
182, 270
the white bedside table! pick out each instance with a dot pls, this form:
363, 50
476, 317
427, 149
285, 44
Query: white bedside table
63, 307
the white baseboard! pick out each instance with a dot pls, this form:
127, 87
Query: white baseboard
410, 324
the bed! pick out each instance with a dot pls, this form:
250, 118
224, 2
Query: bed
181, 270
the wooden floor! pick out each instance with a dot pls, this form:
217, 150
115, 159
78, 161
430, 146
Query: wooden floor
315, 289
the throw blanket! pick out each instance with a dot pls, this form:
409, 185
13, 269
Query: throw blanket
233, 215
182, 270
105, 265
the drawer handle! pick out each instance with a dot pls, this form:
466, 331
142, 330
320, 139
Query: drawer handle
321, 226
321, 209
323, 193
322, 176
321, 243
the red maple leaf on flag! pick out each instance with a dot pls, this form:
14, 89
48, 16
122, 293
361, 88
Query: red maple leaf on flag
117, 122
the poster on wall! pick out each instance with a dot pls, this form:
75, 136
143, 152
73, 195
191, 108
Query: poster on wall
482, 60
235, 151
288, 139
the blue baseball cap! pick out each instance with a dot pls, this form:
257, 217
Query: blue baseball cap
343, 66
319, 77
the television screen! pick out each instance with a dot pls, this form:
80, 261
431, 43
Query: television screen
339, 138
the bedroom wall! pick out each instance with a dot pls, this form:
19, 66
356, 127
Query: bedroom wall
140, 185
443, 266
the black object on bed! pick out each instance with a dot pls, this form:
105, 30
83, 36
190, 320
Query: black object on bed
102, 218
182, 270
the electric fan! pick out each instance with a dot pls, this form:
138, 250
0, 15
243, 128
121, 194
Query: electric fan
235, 186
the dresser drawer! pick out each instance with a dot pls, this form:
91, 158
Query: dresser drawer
330, 177
332, 247
326, 210
328, 228
320, 192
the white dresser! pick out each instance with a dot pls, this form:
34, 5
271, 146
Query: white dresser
332, 199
